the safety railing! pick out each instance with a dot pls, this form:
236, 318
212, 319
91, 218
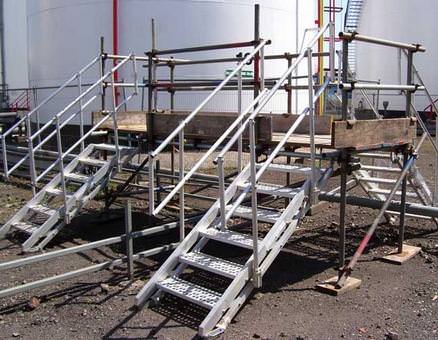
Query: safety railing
33, 116
179, 132
255, 174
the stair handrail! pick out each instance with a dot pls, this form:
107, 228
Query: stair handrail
179, 131
35, 112
59, 125
255, 174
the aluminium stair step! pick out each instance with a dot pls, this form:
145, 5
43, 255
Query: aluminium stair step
377, 180
380, 168
301, 170
77, 177
375, 155
263, 215
387, 192
212, 264
229, 237
273, 190
92, 161
111, 147
40, 209
190, 292
57, 192
27, 227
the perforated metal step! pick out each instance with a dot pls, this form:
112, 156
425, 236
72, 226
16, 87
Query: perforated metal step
77, 177
263, 215
380, 169
377, 180
189, 291
229, 237
212, 264
27, 227
57, 192
306, 171
40, 209
273, 190
92, 161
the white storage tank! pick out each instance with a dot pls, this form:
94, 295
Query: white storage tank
405, 21
64, 36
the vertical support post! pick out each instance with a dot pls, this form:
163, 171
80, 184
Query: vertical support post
158, 180
344, 162
289, 85
102, 72
313, 196
257, 56
181, 192
172, 91
344, 79
151, 184
37, 112
262, 68
332, 51
401, 231
154, 67
150, 116
5, 157
172, 163
81, 112
114, 116
257, 279
31, 155
409, 82
239, 112
61, 170
220, 165
129, 244
288, 161
134, 69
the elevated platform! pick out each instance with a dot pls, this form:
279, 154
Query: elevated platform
329, 134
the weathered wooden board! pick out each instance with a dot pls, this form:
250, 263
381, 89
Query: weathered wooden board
368, 134
204, 126
323, 141
282, 123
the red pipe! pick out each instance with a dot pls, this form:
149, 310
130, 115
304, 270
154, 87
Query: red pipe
116, 41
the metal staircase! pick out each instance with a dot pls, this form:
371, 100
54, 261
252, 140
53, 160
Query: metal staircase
221, 222
49, 210
80, 170
352, 20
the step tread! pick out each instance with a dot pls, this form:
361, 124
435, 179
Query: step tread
377, 180
273, 190
303, 170
229, 237
380, 168
212, 264
26, 226
92, 161
77, 177
264, 215
57, 192
41, 209
190, 292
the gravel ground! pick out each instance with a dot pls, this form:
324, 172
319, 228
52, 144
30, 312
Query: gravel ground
394, 302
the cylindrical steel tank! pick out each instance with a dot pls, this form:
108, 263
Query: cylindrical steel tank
64, 35
405, 21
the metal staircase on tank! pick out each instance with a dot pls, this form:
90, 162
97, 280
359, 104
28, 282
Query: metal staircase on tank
183, 273
352, 20
80, 170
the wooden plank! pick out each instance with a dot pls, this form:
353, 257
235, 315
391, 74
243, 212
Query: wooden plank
368, 134
324, 141
282, 123
204, 126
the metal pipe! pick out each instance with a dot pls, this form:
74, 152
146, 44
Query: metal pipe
345, 271
311, 113
347, 36
220, 166
388, 87
205, 101
129, 244
207, 48
181, 191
